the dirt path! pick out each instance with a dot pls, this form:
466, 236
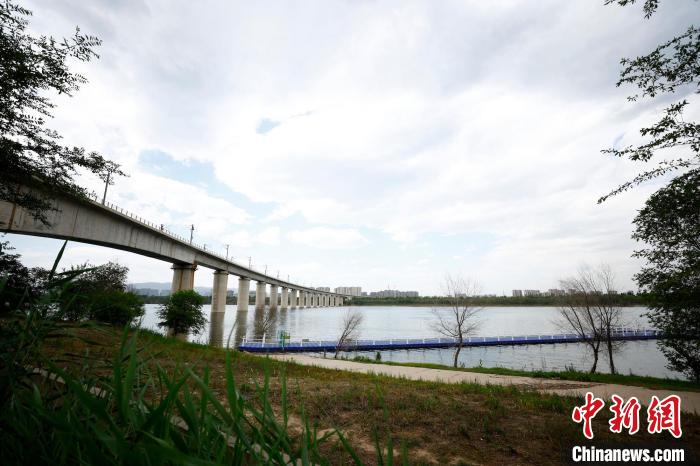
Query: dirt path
690, 400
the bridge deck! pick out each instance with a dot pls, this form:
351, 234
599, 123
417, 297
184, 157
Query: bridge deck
274, 346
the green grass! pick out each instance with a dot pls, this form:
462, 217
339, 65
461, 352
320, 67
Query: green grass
431, 422
573, 375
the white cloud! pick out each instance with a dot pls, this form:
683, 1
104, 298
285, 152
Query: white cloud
408, 120
328, 238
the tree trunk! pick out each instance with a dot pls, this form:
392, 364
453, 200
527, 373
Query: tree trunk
459, 348
595, 359
610, 352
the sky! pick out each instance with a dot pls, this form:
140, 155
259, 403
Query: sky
381, 144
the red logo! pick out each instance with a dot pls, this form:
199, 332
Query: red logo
587, 412
625, 415
665, 415
661, 415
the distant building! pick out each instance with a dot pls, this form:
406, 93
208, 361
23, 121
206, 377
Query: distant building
517, 293
393, 294
164, 293
349, 290
532, 293
556, 292
146, 291
324, 288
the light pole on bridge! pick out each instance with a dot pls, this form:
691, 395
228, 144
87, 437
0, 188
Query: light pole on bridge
191, 232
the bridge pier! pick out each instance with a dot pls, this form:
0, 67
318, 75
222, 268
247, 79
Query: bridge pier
183, 277
216, 328
260, 296
273, 297
303, 298
218, 293
243, 293
285, 299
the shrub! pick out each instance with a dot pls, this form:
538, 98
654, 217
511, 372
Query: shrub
116, 307
182, 313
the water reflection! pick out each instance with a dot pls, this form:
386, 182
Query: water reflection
240, 328
216, 329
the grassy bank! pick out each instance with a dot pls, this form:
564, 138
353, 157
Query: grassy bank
434, 423
620, 379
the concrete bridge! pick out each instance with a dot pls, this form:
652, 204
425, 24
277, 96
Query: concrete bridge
88, 221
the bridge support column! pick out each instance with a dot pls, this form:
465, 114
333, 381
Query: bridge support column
273, 297
260, 296
183, 277
243, 293
216, 328
285, 299
303, 298
218, 293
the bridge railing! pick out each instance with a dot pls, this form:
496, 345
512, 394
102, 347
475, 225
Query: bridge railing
162, 229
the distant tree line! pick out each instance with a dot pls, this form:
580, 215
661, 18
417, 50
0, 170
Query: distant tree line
621, 299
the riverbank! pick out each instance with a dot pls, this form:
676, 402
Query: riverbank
691, 399
569, 375
436, 423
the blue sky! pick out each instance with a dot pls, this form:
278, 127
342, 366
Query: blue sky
369, 143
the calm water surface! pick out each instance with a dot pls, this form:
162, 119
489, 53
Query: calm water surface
638, 357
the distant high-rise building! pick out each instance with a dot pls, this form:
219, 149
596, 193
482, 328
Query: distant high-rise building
349, 290
393, 294
517, 293
556, 292
531, 293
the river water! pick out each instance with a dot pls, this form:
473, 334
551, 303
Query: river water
638, 357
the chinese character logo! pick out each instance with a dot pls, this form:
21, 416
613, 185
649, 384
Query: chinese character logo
665, 415
587, 412
625, 415
661, 415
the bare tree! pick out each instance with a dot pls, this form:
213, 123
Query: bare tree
352, 320
608, 309
460, 319
591, 311
577, 315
